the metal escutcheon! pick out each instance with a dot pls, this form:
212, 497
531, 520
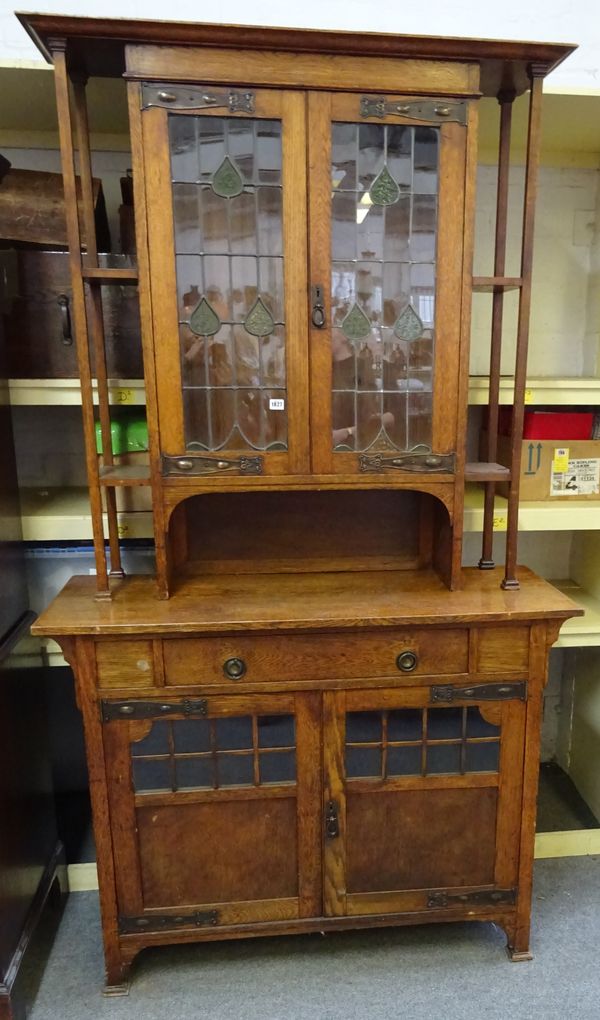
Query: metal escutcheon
234, 668
406, 662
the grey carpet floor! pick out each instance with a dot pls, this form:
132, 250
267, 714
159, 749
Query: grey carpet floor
434, 972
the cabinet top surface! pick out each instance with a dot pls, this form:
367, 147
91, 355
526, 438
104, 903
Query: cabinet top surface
97, 45
220, 603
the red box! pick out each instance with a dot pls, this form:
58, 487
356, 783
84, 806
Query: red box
559, 425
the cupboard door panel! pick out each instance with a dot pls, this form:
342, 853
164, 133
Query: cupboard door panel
193, 853
426, 798
424, 838
226, 193
216, 812
386, 224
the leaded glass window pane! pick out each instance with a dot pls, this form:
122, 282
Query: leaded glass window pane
215, 753
227, 213
383, 247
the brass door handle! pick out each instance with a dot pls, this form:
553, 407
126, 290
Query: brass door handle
318, 306
65, 316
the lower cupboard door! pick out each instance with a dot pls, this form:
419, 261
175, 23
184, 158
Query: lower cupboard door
422, 801
214, 809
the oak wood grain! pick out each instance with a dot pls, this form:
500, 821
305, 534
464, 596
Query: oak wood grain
301, 601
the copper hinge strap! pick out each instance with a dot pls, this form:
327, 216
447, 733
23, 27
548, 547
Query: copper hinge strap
196, 97
166, 922
480, 692
440, 898
434, 111
110, 710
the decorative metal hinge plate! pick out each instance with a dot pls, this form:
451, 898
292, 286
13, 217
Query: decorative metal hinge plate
165, 922
195, 97
195, 465
483, 898
434, 111
428, 463
480, 692
152, 709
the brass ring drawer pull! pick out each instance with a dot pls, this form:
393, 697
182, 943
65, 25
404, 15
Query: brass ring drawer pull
234, 668
407, 661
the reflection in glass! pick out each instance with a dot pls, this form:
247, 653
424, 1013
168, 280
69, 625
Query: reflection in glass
227, 214
383, 242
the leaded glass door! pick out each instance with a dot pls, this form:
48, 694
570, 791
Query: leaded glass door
386, 251
214, 806
226, 210
422, 800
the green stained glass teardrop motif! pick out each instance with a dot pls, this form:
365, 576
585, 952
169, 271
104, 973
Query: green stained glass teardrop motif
408, 325
259, 321
227, 181
204, 321
356, 325
384, 190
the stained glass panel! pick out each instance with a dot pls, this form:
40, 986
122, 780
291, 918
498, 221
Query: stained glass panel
227, 213
383, 246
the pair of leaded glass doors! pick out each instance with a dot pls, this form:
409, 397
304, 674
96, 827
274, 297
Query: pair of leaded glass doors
306, 262
219, 806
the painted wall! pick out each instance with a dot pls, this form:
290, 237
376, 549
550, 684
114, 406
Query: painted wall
550, 20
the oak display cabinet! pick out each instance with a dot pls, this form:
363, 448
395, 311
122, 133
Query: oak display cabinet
315, 718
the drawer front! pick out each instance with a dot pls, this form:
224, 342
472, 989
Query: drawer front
502, 649
124, 664
256, 659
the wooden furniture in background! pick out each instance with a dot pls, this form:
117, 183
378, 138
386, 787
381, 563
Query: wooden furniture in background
323, 721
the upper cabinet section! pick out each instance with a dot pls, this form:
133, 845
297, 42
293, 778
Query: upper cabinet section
306, 263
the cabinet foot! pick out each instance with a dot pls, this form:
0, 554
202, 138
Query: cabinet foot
117, 980
519, 955
118, 989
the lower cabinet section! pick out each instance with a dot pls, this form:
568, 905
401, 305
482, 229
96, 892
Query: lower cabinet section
240, 810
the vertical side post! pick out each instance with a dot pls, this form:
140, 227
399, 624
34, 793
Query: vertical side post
96, 319
61, 78
159, 516
506, 100
536, 73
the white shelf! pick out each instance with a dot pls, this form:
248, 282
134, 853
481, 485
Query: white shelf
60, 392
582, 631
67, 392
63, 515
565, 515
568, 391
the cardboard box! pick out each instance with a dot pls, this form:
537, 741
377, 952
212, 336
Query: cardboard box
554, 471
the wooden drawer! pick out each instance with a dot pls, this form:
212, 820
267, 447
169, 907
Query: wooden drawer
124, 663
296, 657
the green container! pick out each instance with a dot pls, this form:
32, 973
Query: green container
128, 435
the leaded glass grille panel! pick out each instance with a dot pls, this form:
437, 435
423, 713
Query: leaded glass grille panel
383, 248
420, 742
227, 211
213, 754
